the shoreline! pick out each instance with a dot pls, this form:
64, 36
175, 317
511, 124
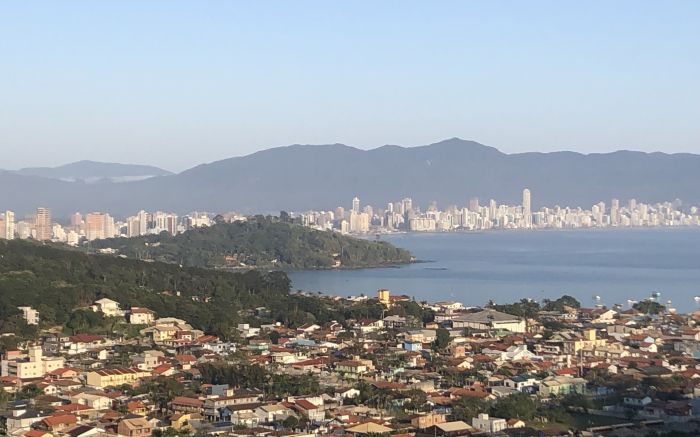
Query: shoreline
374, 236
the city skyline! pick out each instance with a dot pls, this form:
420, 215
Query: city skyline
399, 216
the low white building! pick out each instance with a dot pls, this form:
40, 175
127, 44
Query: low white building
490, 320
141, 316
30, 315
108, 307
489, 424
32, 365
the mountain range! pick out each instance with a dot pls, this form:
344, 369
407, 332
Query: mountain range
302, 177
94, 172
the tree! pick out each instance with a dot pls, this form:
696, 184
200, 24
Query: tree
559, 304
285, 217
418, 400
525, 308
577, 401
650, 307
442, 339
29, 392
468, 407
518, 405
291, 422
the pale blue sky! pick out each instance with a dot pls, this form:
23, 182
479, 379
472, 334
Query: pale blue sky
177, 83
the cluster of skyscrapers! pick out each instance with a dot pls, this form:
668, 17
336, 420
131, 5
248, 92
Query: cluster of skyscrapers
404, 216
96, 225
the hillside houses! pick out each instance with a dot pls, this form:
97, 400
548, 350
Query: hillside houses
354, 376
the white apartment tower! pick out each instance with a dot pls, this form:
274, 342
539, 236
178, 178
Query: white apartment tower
527, 207
9, 225
356, 205
615, 212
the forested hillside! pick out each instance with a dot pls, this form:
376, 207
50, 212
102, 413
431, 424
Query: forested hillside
61, 283
259, 242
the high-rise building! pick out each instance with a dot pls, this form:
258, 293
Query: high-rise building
76, 220
9, 225
356, 205
109, 227
493, 207
43, 224
474, 204
527, 207
132, 226
359, 223
95, 226
143, 222
615, 212
171, 224
406, 205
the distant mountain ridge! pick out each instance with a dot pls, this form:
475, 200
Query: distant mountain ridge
302, 177
93, 171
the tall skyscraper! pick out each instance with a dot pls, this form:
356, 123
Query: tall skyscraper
356, 205
474, 204
615, 212
43, 224
527, 207
171, 224
406, 205
9, 225
132, 226
95, 226
143, 222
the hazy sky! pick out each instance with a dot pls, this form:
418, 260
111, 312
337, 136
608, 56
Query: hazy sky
177, 83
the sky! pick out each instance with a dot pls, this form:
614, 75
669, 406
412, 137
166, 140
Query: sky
177, 83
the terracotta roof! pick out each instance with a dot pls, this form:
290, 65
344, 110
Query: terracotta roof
73, 407
122, 371
191, 402
162, 368
62, 419
185, 358
306, 405
138, 310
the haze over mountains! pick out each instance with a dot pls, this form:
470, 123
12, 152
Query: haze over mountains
302, 177
92, 171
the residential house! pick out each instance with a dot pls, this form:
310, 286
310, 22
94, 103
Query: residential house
488, 424
450, 429
183, 404
107, 307
32, 365
490, 320
134, 427
141, 316
311, 411
562, 385
116, 377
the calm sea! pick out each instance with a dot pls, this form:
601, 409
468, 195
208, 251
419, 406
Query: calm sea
615, 265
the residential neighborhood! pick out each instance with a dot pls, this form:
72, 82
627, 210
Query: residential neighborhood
422, 369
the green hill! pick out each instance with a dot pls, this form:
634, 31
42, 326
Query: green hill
61, 283
262, 242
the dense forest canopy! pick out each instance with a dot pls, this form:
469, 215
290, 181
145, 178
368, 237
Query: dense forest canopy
59, 283
258, 242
